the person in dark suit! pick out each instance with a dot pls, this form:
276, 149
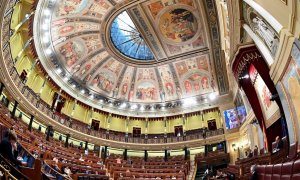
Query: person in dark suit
254, 175
8, 148
279, 142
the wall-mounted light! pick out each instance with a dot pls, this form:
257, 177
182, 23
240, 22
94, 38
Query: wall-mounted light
245, 76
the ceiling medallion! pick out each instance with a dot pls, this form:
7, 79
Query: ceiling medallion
178, 25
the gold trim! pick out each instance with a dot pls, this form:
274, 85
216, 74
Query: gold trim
284, 1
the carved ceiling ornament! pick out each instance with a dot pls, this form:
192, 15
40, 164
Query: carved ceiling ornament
243, 59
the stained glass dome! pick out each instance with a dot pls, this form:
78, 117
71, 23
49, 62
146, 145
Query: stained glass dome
128, 40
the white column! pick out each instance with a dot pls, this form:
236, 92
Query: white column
250, 136
267, 16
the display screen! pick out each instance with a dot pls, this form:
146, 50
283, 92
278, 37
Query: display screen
231, 119
235, 117
241, 113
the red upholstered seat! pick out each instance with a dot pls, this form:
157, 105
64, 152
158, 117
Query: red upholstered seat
296, 170
286, 171
261, 171
293, 151
285, 142
276, 172
268, 172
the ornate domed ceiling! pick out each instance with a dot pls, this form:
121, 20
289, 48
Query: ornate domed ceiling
131, 54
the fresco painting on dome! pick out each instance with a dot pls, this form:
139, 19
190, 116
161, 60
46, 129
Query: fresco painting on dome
71, 51
62, 28
173, 49
194, 75
181, 68
177, 49
291, 84
231, 119
270, 108
146, 74
198, 42
125, 84
98, 8
70, 7
155, 7
114, 66
196, 83
178, 25
92, 42
146, 91
104, 81
146, 86
168, 83
186, 2
83, 70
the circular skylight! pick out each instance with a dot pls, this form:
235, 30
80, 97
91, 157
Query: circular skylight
128, 40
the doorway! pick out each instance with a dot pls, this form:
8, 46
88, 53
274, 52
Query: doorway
212, 125
178, 131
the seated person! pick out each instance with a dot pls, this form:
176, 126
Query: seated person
67, 171
8, 148
250, 154
100, 162
255, 148
129, 161
55, 160
56, 168
81, 158
253, 172
119, 161
279, 144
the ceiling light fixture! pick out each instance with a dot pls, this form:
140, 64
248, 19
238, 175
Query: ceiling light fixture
123, 105
45, 26
245, 76
189, 102
212, 96
134, 106
142, 108
59, 70
47, 12
48, 51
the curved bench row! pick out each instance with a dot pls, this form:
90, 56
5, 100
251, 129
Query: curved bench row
282, 171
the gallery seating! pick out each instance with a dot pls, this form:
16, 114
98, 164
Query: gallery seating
37, 149
154, 167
